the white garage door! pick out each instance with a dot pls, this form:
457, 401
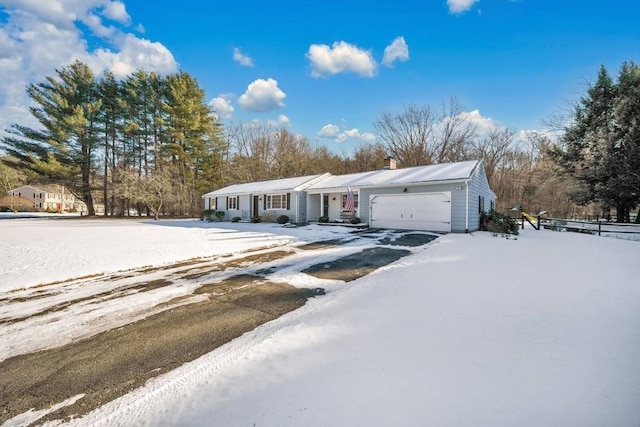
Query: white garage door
423, 211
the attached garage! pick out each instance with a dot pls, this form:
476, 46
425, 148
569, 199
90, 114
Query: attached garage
417, 211
443, 198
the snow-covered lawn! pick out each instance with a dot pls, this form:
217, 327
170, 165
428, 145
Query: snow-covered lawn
470, 330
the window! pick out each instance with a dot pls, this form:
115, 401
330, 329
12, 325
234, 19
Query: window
277, 201
480, 204
492, 206
344, 201
232, 203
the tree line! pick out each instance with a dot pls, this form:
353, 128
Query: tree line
151, 142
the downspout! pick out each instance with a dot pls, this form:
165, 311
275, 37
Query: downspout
466, 187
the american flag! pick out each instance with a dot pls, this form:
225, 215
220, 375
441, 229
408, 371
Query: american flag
349, 204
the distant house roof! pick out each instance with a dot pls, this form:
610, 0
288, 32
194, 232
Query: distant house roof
390, 177
276, 185
45, 188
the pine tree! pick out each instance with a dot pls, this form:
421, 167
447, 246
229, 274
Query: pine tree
194, 137
64, 150
600, 148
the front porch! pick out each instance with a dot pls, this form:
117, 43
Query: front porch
331, 207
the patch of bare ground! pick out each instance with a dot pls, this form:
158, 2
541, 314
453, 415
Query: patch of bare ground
99, 297
110, 364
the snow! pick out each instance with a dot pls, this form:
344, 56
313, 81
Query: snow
384, 177
468, 330
284, 184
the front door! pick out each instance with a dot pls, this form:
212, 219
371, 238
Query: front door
256, 206
325, 206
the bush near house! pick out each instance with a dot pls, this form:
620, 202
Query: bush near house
256, 219
235, 219
268, 216
282, 219
323, 219
208, 214
497, 223
219, 215
355, 220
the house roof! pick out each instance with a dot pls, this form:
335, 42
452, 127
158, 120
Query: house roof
46, 188
390, 177
272, 186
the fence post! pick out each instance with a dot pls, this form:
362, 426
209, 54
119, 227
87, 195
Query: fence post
522, 221
599, 226
538, 222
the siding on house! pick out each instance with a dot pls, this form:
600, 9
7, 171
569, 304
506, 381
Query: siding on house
314, 196
479, 188
293, 188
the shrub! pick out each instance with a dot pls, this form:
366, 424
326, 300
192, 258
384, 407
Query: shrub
208, 214
355, 220
498, 224
235, 219
256, 219
282, 219
268, 216
323, 219
220, 215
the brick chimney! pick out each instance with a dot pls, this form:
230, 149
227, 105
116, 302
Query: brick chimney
389, 163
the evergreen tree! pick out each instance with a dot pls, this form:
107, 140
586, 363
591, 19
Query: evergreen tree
600, 147
64, 150
194, 143
627, 136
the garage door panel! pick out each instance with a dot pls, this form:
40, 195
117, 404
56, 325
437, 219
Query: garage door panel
424, 211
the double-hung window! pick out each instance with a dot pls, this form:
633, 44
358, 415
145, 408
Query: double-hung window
277, 201
232, 203
344, 202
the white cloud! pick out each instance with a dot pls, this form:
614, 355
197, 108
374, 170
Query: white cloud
334, 132
329, 132
222, 106
398, 50
483, 124
283, 120
136, 53
279, 122
39, 37
460, 6
241, 58
116, 11
341, 57
262, 96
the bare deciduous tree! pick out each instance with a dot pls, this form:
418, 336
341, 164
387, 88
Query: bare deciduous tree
417, 136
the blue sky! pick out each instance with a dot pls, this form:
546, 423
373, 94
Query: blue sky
319, 68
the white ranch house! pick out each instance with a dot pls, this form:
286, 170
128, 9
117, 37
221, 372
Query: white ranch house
441, 198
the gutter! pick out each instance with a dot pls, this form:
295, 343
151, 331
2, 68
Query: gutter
466, 187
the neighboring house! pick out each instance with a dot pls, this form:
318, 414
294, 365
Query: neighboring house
49, 197
442, 198
259, 199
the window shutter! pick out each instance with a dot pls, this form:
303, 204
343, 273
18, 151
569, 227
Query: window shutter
226, 203
264, 202
288, 201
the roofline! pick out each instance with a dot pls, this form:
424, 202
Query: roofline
406, 184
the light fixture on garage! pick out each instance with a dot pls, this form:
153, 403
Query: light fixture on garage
334, 198
459, 188
405, 190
